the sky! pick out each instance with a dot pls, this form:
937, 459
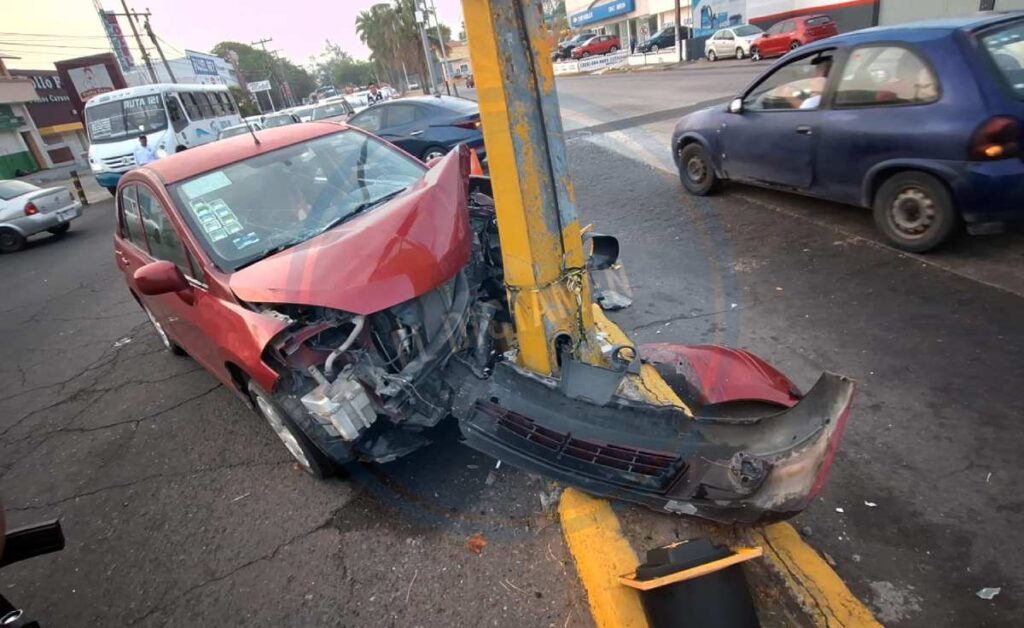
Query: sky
44, 31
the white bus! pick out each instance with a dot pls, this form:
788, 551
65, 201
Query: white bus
173, 117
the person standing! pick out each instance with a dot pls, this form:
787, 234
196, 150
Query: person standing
375, 96
144, 153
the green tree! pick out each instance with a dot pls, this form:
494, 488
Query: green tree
392, 35
257, 65
334, 66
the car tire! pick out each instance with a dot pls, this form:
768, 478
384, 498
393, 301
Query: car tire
654, 49
613, 50
306, 454
585, 55
755, 54
696, 170
11, 241
712, 57
740, 54
434, 151
112, 189
60, 229
794, 45
915, 211
165, 340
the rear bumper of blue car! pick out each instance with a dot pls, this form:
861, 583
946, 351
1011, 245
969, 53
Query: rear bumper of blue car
990, 191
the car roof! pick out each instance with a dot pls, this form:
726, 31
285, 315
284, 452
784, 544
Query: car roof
189, 163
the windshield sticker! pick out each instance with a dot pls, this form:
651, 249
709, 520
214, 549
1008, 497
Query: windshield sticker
216, 219
205, 184
246, 240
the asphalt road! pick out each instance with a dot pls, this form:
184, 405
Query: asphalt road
181, 507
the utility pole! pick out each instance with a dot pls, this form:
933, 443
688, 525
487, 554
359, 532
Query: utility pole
275, 71
159, 50
679, 34
445, 70
421, 17
138, 41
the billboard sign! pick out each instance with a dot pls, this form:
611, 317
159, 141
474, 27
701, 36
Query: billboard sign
711, 15
259, 86
53, 107
601, 12
85, 77
117, 41
203, 65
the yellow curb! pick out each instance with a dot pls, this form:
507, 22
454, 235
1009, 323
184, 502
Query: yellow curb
820, 591
601, 553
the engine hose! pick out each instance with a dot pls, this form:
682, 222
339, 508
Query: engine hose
329, 364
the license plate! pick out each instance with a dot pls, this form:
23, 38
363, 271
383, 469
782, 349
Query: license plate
66, 215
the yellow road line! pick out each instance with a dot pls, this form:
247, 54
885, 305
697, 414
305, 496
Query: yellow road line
818, 589
601, 553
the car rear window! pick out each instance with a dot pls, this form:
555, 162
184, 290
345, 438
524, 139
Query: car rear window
10, 189
819, 21
462, 106
1005, 46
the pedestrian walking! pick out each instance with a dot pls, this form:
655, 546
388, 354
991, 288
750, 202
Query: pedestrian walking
144, 153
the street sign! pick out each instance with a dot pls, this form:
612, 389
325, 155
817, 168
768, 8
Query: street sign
259, 86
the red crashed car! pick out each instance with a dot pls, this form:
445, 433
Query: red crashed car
597, 45
355, 298
791, 34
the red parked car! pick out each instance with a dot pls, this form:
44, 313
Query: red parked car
791, 34
597, 45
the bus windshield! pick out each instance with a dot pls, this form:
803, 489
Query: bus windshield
123, 119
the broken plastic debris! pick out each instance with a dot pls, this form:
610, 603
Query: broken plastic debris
611, 300
122, 342
828, 559
491, 477
840, 510
871, 504
476, 543
733, 305
856, 558
988, 592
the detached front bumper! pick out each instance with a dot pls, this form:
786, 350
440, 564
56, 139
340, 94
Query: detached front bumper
749, 467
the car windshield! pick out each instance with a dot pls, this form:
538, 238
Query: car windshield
11, 189
1006, 48
121, 119
248, 210
747, 31
331, 110
280, 120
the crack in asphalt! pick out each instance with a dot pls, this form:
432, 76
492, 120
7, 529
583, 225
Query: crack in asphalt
103, 392
194, 473
163, 602
688, 317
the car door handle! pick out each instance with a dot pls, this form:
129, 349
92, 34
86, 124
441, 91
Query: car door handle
804, 130
415, 133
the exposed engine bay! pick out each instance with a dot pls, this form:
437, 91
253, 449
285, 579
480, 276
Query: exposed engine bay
375, 384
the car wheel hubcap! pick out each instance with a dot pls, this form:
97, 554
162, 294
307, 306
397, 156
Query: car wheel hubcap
270, 413
6, 240
913, 212
696, 170
432, 154
159, 329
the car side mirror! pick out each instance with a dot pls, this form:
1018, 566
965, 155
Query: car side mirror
161, 277
736, 105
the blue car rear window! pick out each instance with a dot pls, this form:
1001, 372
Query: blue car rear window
1005, 45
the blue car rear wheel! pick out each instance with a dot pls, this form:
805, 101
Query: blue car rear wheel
915, 211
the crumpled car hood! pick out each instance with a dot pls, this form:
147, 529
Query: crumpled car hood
393, 253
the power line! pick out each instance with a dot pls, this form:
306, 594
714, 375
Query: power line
53, 35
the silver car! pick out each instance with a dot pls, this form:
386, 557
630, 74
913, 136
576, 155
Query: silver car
26, 210
731, 42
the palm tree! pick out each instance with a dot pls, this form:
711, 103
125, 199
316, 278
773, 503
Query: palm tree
392, 35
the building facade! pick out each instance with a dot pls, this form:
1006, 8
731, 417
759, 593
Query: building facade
632, 20
20, 145
60, 131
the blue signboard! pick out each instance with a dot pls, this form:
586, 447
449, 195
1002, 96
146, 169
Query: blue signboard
601, 12
203, 65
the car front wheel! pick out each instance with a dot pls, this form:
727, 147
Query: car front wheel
739, 53
302, 449
794, 45
915, 211
712, 56
613, 50
654, 49
696, 172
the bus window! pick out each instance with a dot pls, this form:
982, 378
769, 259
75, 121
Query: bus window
205, 108
218, 106
175, 113
191, 106
231, 103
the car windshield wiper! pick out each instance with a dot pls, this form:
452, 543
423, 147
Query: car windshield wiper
271, 251
361, 208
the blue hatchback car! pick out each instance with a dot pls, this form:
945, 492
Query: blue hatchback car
921, 122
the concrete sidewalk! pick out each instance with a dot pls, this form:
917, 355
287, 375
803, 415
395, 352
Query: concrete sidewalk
61, 175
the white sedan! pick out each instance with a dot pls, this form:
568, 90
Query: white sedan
26, 210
